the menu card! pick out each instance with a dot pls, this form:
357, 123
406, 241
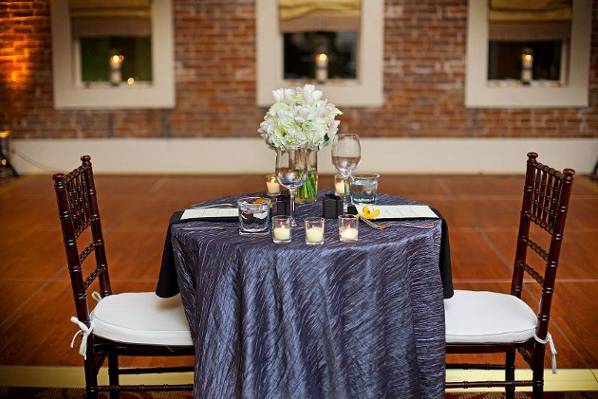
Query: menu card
207, 213
400, 211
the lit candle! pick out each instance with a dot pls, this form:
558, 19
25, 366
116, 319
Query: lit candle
349, 234
281, 229
115, 69
282, 233
314, 231
314, 235
322, 67
348, 228
528, 60
272, 186
527, 63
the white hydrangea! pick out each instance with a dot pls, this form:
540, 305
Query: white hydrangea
299, 117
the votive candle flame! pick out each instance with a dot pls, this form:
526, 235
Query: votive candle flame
281, 229
348, 228
349, 234
314, 231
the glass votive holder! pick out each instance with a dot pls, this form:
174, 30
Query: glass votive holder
254, 213
272, 186
281, 229
348, 228
340, 188
314, 231
364, 188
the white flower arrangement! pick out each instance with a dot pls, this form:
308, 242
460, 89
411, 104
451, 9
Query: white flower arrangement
299, 117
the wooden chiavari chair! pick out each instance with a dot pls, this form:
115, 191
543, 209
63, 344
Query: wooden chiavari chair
128, 324
488, 322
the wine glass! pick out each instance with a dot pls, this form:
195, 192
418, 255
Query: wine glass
291, 171
346, 154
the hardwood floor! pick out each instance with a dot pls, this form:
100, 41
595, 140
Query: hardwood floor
482, 212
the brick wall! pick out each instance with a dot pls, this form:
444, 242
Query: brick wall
424, 66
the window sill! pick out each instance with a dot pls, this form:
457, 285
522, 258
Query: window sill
517, 83
527, 97
109, 97
122, 86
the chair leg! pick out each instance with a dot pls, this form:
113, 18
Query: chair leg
510, 373
113, 374
91, 372
538, 371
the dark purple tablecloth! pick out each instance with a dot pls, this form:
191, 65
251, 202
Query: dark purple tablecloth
361, 320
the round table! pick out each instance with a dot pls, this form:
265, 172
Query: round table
340, 320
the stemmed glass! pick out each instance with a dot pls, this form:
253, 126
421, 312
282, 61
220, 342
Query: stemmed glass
346, 154
291, 171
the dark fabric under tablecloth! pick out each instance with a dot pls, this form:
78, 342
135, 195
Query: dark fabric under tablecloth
168, 286
342, 320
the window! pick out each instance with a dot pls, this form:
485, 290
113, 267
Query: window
506, 61
113, 54
528, 53
320, 55
115, 59
325, 43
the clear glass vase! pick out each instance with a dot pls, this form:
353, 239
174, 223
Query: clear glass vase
308, 193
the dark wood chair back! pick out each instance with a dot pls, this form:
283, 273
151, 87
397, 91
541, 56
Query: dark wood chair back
78, 211
545, 203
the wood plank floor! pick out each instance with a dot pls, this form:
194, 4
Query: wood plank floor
482, 211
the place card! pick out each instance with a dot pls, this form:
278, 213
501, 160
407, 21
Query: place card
400, 211
210, 213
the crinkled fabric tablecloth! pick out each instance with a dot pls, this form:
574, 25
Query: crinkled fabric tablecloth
341, 320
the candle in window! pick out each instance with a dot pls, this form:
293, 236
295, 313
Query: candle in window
314, 231
322, 68
527, 64
272, 186
116, 61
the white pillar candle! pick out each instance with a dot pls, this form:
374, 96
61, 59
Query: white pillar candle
314, 235
282, 233
115, 69
322, 67
527, 63
272, 187
339, 187
349, 234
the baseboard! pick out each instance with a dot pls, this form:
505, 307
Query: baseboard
245, 155
72, 377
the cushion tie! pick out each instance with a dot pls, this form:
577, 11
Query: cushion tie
96, 296
553, 351
84, 331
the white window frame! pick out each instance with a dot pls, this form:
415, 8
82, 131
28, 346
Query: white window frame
574, 91
365, 91
70, 93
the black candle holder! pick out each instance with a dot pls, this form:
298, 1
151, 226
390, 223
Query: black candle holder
332, 206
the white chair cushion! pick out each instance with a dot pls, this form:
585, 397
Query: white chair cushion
487, 317
142, 318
